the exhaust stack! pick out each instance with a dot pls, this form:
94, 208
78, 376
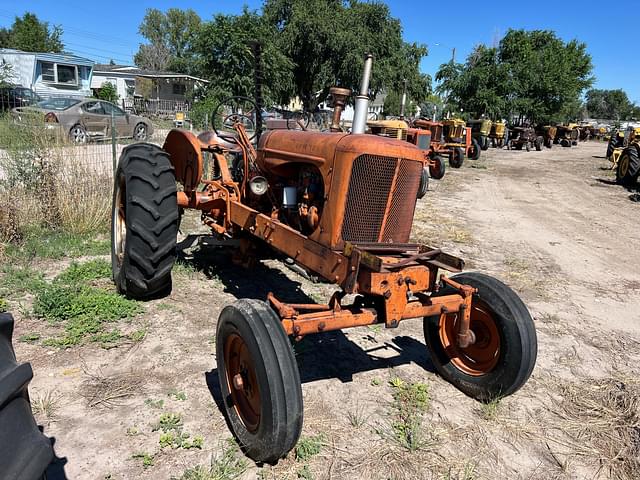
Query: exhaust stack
362, 100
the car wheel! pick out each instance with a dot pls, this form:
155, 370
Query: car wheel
78, 134
140, 132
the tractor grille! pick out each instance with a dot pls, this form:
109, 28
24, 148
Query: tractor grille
379, 183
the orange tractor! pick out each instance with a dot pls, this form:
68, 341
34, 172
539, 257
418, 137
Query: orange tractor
449, 140
341, 206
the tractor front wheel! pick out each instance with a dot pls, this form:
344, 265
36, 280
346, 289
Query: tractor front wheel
565, 142
144, 222
259, 380
424, 183
628, 166
539, 142
438, 168
456, 157
474, 151
505, 349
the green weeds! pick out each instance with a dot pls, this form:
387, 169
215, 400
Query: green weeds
231, 465
410, 401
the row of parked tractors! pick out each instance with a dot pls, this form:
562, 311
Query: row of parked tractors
456, 139
623, 151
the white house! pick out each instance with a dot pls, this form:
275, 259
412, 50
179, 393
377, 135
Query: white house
49, 74
132, 81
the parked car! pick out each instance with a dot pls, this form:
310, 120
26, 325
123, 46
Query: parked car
16, 96
89, 119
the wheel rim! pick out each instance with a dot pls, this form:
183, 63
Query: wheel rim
119, 220
624, 165
78, 135
141, 132
242, 381
482, 356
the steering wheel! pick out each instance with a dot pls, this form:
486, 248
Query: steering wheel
234, 110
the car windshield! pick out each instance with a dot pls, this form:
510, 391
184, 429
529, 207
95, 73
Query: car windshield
57, 103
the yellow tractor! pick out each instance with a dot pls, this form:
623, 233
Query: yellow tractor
457, 136
623, 151
389, 128
498, 134
480, 130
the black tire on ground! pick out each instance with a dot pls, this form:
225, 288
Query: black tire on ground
539, 142
144, 222
474, 151
456, 157
504, 329
259, 380
437, 171
574, 142
424, 183
628, 166
611, 146
565, 142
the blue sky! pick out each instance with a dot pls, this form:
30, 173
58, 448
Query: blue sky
104, 30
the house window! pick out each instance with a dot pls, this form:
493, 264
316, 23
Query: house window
59, 73
179, 89
48, 72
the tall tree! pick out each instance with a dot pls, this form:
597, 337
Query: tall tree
171, 35
532, 76
30, 34
609, 104
326, 40
225, 58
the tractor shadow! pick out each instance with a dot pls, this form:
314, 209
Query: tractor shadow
319, 356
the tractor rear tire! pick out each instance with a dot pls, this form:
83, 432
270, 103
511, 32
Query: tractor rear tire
474, 151
504, 354
144, 225
611, 146
259, 380
456, 157
437, 171
424, 183
539, 142
628, 166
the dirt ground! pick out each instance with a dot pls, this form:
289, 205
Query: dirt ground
552, 224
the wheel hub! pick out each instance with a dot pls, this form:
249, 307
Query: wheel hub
481, 356
242, 381
119, 221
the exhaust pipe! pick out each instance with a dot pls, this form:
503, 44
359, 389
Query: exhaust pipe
362, 100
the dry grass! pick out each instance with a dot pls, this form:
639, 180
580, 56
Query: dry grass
47, 183
435, 228
600, 422
46, 404
109, 391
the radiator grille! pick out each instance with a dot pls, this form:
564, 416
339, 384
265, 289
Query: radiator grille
403, 203
370, 186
